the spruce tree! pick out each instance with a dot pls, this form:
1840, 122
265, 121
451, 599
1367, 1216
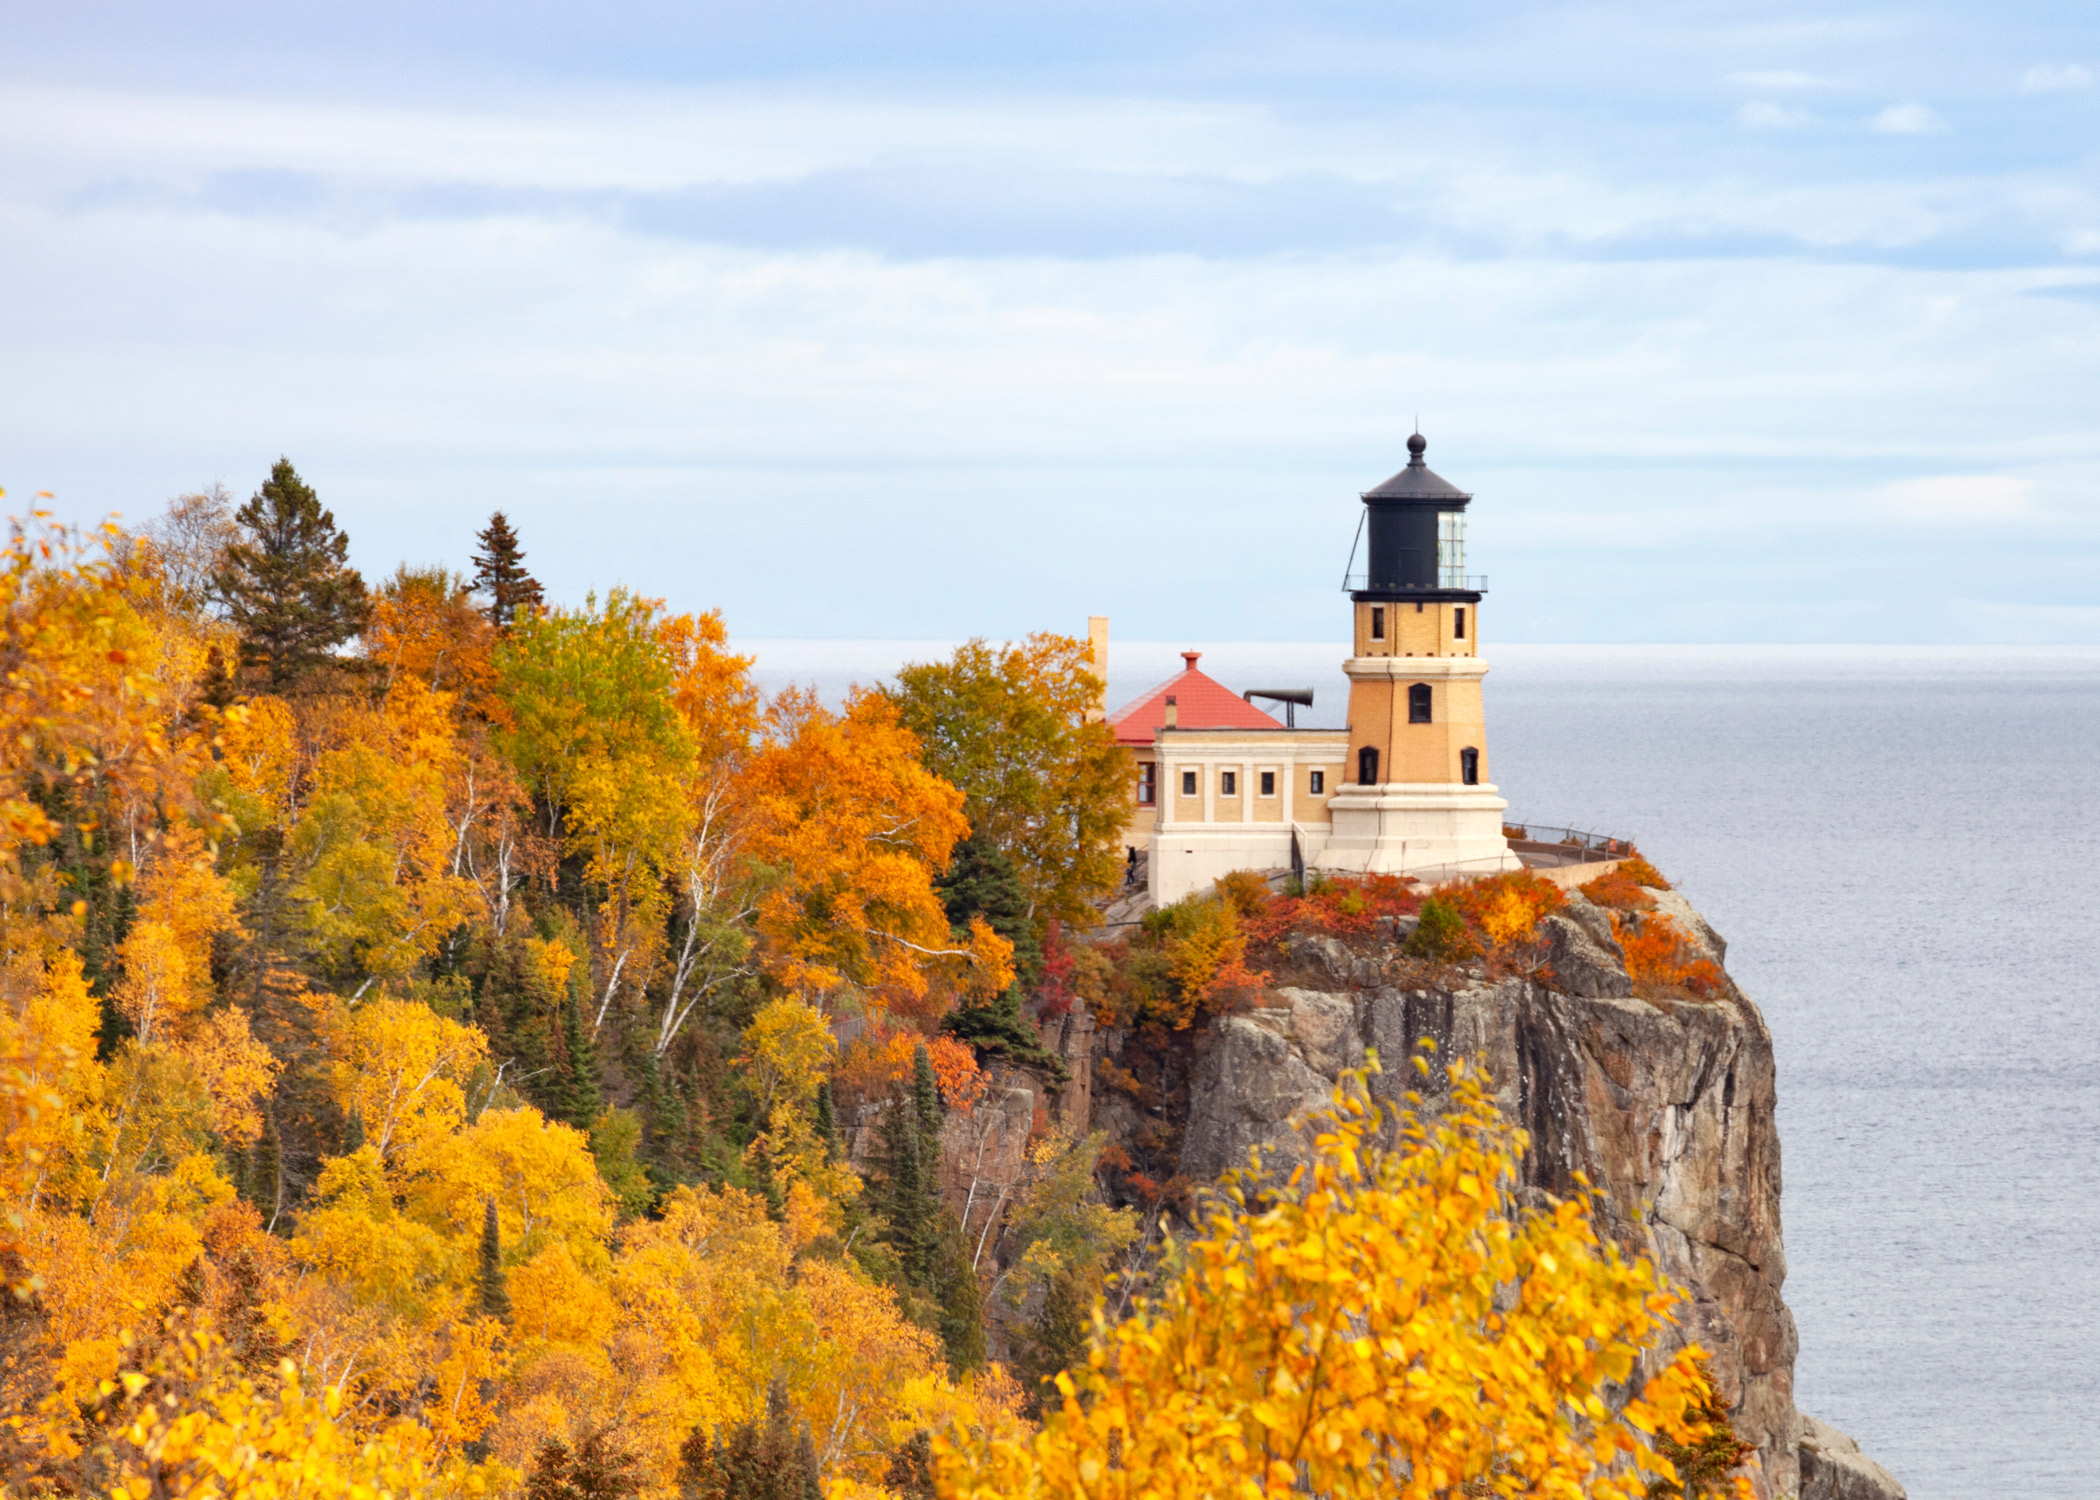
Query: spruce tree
827, 1120
578, 1102
762, 1459
288, 585
495, 1291
927, 1108
981, 881
499, 572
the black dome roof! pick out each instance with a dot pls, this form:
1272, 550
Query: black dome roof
1417, 481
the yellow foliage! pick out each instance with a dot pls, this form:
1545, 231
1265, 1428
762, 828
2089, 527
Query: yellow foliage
539, 1172
399, 1068
191, 1426
1387, 1322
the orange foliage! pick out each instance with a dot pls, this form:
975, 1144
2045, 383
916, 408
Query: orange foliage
1641, 872
1505, 908
1658, 952
874, 1066
858, 829
1618, 889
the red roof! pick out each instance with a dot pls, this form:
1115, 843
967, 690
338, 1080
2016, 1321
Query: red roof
1200, 702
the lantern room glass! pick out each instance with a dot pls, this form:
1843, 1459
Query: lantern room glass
1451, 549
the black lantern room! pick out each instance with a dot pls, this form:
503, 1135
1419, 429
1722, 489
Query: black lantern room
1417, 525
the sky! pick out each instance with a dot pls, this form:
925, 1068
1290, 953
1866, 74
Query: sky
1744, 323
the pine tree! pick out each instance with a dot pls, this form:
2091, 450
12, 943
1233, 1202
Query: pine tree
288, 585
265, 1181
762, 1459
495, 1291
499, 572
981, 881
927, 1109
578, 1102
1055, 1340
827, 1120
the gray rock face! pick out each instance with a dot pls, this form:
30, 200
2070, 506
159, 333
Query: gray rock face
1581, 964
1833, 1468
1667, 1108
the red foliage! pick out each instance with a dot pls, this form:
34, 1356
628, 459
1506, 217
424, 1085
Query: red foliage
1054, 996
1344, 905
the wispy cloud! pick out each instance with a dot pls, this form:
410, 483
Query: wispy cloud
1776, 80
1762, 114
2048, 80
1959, 497
1907, 119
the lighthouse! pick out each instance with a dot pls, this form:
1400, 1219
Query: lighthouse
1416, 797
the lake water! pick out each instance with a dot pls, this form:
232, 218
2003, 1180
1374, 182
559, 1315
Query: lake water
1902, 846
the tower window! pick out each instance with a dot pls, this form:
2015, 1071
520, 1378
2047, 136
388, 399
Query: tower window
1318, 784
1458, 623
1418, 703
1469, 766
1188, 783
1228, 783
1148, 784
1268, 783
1367, 766
1378, 622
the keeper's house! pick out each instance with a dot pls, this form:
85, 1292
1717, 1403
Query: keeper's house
1220, 785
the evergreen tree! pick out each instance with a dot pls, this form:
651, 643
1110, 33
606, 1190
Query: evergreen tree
827, 1120
265, 1181
596, 1470
910, 1473
762, 1459
499, 572
495, 1291
1055, 1340
981, 881
288, 585
578, 1101
927, 1110
910, 1203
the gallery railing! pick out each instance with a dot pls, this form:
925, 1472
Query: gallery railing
1548, 844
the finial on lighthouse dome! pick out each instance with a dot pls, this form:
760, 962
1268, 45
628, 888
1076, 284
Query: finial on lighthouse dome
1415, 446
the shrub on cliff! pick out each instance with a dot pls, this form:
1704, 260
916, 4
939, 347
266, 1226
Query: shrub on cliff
1386, 1322
1618, 890
1505, 909
1186, 959
1658, 953
1641, 872
1442, 935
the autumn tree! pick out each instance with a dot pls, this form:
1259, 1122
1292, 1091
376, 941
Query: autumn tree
287, 582
189, 539
1389, 1321
1049, 789
499, 573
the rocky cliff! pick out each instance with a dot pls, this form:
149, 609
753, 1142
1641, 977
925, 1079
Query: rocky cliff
1664, 1100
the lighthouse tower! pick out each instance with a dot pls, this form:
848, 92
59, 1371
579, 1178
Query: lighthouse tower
1415, 797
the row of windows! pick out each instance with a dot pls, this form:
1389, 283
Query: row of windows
1228, 784
1367, 766
1458, 623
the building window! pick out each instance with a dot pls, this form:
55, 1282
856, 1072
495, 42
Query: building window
1469, 766
1418, 703
1451, 549
1458, 623
1188, 783
1228, 783
1268, 783
1148, 784
1378, 622
1367, 766
1319, 783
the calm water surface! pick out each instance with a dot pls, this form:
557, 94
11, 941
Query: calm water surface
1902, 847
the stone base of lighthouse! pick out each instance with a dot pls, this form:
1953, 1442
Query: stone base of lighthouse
1427, 829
